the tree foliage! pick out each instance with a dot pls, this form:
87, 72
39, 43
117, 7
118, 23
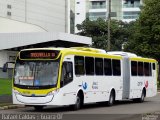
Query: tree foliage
98, 31
145, 39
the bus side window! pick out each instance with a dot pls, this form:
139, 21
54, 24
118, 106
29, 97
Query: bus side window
150, 69
133, 68
89, 65
146, 69
154, 66
79, 65
140, 69
99, 66
67, 73
107, 67
116, 65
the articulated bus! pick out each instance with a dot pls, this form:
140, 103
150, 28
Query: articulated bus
76, 76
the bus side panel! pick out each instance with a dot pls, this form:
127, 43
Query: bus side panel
152, 84
126, 78
137, 83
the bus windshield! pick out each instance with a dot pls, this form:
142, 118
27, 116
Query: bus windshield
36, 73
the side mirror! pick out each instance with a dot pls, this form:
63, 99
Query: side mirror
5, 67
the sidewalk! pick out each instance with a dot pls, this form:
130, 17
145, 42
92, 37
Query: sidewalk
5, 99
6, 103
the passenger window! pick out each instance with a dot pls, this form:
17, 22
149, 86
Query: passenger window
133, 68
67, 73
116, 65
150, 69
99, 66
107, 67
89, 65
79, 65
154, 66
140, 69
146, 69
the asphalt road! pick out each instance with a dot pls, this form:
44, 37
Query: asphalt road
123, 110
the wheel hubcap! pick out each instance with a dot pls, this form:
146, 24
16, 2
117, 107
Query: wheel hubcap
111, 99
78, 102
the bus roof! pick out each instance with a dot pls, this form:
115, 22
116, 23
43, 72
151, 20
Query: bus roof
85, 51
82, 51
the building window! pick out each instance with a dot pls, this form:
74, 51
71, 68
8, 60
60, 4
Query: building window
12, 58
96, 15
9, 6
78, 2
78, 13
98, 5
9, 13
131, 4
131, 14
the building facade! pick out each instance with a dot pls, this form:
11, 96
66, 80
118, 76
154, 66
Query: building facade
36, 24
131, 9
125, 10
50, 15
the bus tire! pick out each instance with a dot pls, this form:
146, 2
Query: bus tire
141, 99
79, 102
38, 108
111, 98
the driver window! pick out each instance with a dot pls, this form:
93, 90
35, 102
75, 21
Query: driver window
67, 73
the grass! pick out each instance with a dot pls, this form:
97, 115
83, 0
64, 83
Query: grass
5, 86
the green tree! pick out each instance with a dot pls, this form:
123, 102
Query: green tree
98, 31
145, 38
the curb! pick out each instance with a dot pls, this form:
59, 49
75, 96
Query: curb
11, 107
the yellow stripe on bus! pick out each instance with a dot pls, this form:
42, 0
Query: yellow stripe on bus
36, 92
143, 59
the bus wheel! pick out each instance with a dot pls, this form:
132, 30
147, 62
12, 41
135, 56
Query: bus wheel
141, 99
38, 108
111, 99
79, 102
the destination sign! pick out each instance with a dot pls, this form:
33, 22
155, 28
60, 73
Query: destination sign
39, 54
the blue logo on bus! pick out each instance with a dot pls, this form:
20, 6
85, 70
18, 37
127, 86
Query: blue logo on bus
84, 85
36, 82
33, 95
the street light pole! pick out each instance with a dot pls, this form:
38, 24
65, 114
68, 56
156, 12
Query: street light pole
109, 25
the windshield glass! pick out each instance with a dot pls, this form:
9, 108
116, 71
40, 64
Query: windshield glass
36, 73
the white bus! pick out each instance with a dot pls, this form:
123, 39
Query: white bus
75, 76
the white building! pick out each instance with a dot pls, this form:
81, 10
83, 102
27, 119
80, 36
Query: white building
131, 9
50, 15
11, 43
125, 10
36, 23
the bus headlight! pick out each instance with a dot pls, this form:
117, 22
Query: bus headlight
53, 92
16, 92
50, 93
